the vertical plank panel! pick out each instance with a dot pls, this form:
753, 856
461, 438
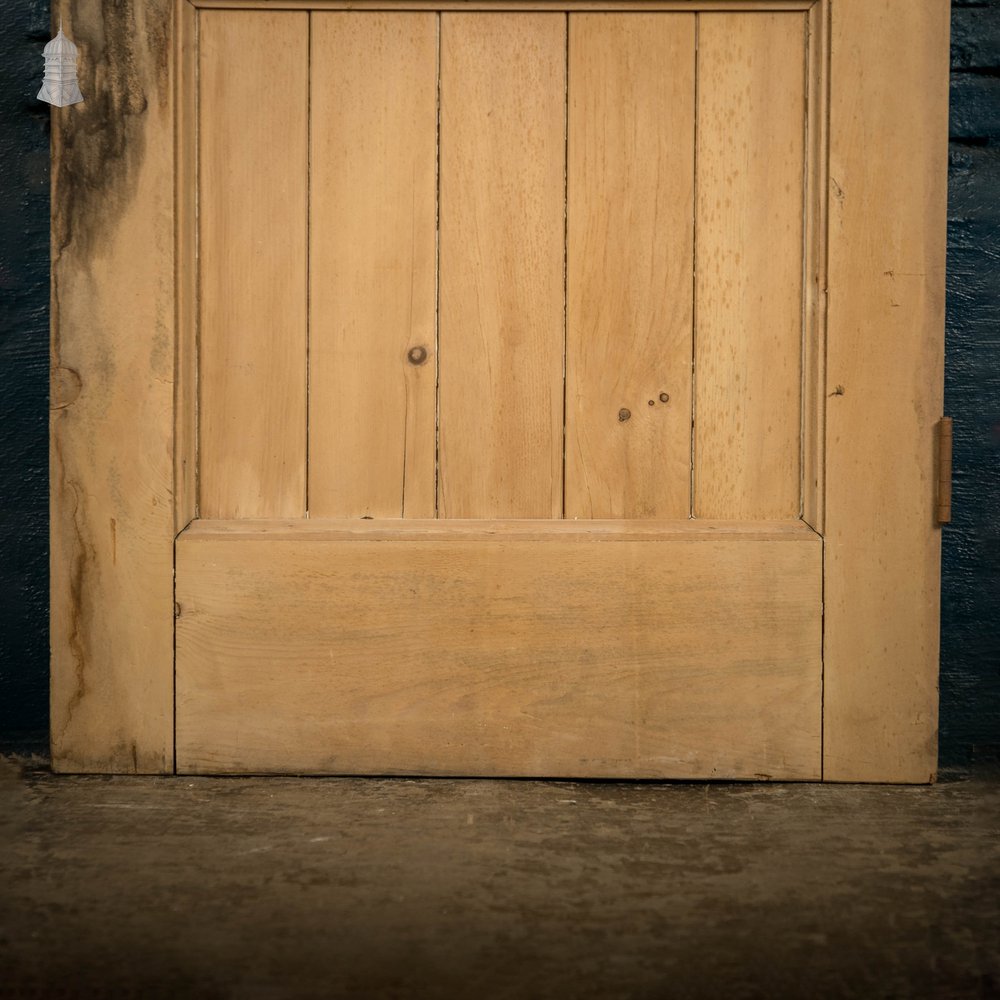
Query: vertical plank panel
888, 172
253, 157
111, 421
503, 79
372, 351
629, 265
748, 291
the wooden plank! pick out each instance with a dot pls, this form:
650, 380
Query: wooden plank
687, 659
111, 455
186, 202
372, 261
503, 82
511, 5
253, 90
888, 171
629, 265
748, 262
814, 269
440, 530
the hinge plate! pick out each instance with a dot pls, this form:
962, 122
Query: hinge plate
944, 451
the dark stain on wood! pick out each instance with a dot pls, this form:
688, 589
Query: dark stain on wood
82, 557
98, 151
123, 67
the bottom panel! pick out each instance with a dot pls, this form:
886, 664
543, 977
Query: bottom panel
594, 651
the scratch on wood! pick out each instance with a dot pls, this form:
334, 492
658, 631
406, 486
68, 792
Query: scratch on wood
81, 554
406, 428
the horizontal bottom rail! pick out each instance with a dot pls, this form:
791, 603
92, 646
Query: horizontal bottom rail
476, 649
527, 530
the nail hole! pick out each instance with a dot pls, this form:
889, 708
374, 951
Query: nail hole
652, 402
624, 414
664, 397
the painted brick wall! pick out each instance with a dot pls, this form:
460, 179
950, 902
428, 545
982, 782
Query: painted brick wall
970, 675
970, 639
24, 368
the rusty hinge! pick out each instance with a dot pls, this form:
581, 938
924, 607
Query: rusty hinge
945, 433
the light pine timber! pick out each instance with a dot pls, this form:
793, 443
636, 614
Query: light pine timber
523, 529
888, 170
372, 260
814, 268
748, 290
501, 337
629, 265
111, 421
253, 151
644, 6
680, 658
186, 291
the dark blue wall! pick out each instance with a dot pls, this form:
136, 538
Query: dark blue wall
970, 638
24, 372
970, 668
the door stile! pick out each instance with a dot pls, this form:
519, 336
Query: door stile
884, 390
112, 395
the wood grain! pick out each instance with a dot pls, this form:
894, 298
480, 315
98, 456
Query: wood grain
253, 115
748, 290
372, 261
503, 80
521, 529
111, 423
693, 659
814, 269
888, 170
186, 292
644, 6
629, 265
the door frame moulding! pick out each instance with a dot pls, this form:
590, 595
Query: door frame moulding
814, 263
124, 342
186, 390
535, 6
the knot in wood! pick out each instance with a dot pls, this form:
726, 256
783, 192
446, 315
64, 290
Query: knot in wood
64, 387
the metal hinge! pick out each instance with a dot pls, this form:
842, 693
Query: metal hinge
945, 433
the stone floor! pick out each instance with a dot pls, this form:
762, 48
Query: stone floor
272, 888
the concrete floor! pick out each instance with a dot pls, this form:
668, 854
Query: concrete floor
272, 888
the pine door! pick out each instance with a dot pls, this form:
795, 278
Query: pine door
504, 437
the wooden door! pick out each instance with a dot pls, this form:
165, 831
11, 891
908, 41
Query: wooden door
504, 436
